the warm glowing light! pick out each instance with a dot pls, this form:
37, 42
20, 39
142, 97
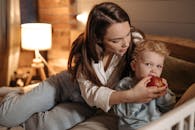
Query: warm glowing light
36, 36
82, 17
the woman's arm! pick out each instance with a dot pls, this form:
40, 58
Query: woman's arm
138, 94
103, 97
95, 95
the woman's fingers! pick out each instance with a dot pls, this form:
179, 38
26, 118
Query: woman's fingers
146, 80
143, 94
157, 92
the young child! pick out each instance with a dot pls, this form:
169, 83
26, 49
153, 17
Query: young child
148, 60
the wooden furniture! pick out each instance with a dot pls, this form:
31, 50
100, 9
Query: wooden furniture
38, 67
181, 118
180, 69
180, 47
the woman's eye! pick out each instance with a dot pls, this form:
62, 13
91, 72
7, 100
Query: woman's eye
116, 41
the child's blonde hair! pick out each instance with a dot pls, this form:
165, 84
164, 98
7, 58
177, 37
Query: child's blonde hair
151, 45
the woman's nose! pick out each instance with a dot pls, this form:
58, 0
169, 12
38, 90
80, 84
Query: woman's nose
124, 45
125, 42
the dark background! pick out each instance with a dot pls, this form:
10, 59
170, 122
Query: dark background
29, 12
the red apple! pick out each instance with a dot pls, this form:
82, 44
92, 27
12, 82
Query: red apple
156, 81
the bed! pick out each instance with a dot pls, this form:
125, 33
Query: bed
180, 118
180, 73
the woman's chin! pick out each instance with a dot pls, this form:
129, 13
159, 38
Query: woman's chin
120, 53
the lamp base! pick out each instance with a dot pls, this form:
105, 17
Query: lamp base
37, 65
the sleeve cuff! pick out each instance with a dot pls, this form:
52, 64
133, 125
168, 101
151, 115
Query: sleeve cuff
103, 98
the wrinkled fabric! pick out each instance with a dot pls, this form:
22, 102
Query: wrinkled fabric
135, 115
94, 95
38, 105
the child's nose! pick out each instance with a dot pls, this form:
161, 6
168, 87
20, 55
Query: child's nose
153, 70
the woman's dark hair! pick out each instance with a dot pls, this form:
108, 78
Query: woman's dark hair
89, 46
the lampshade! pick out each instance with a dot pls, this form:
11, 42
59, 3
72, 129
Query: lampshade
82, 17
36, 36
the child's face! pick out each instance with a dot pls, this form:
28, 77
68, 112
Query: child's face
149, 63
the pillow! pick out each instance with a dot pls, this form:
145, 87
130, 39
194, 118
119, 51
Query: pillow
180, 74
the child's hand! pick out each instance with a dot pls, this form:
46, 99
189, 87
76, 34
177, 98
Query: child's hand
165, 82
165, 86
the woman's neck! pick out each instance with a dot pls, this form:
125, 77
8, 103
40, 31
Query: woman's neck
106, 60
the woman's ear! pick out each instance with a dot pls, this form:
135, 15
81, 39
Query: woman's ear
133, 62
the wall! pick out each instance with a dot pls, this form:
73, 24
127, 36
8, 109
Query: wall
161, 17
28, 9
60, 13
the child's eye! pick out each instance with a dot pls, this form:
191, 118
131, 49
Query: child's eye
159, 66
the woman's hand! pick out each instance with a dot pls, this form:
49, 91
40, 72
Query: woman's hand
141, 93
138, 94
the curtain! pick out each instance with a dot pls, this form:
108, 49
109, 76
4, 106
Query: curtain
9, 39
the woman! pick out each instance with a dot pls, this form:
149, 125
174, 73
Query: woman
98, 60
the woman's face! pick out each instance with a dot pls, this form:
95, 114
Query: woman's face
117, 38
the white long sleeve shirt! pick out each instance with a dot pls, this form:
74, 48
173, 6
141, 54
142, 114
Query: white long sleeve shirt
94, 95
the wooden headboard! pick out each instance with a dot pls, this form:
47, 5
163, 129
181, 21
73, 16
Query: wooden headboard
180, 47
180, 67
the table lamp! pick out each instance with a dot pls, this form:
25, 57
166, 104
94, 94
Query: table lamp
36, 37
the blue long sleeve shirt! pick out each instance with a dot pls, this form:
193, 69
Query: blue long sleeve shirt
135, 115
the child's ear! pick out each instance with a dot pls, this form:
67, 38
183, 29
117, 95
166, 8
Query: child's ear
133, 62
